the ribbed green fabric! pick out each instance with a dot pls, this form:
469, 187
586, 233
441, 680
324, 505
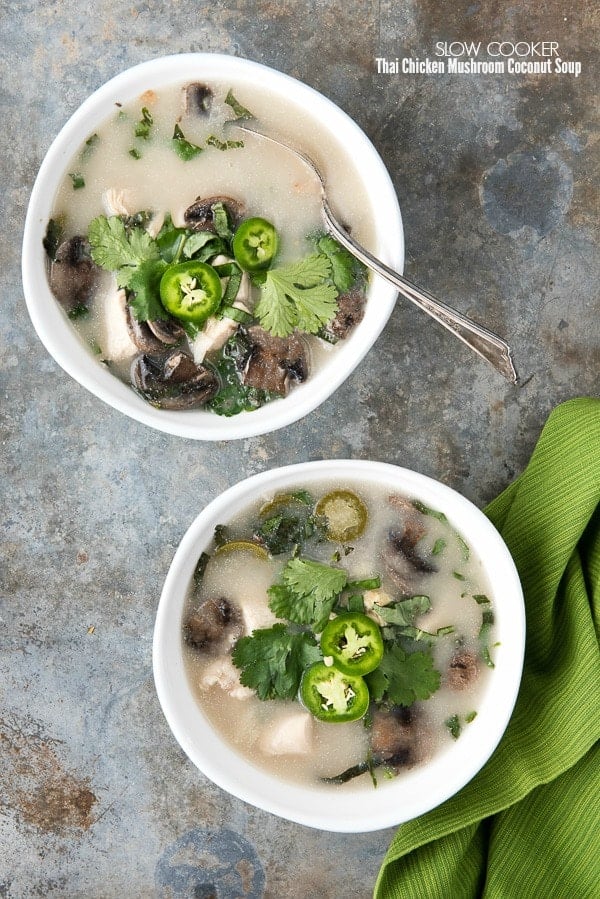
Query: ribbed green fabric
528, 825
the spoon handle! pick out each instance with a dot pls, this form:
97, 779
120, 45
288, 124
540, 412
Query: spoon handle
485, 343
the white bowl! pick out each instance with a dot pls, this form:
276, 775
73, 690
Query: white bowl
63, 343
418, 790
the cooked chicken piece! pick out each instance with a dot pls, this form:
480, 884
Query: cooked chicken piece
374, 598
118, 201
223, 673
115, 337
290, 734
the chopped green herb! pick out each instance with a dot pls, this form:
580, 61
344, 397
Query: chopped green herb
458, 576
53, 237
464, 548
239, 111
135, 153
405, 611
425, 510
346, 270
355, 603
438, 547
79, 311
470, 717
453, 725
201, 567
214, 141
480, 598
144, 126
77, 179
370, 583
221, 535
89, 146
184, 149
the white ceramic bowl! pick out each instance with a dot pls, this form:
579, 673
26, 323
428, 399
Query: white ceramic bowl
416, 791
55, 330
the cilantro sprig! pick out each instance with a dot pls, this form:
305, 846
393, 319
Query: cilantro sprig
307, 593
299, 296
272, 660
134, 256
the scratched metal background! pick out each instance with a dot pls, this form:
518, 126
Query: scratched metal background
497, 179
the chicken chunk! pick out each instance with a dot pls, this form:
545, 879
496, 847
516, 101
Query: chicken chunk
290, 734
223, 673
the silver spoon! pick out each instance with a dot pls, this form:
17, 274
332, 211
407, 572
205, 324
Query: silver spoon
484, 342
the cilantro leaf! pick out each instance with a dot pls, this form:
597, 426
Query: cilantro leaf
299, 295
112, 247
144, 285
403, 678
346, 270
272, 660
307, 593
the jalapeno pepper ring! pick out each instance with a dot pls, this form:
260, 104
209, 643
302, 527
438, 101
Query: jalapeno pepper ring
191, 291
332, 696
255, 244
354, 642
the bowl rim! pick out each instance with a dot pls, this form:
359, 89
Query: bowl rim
400, 800
65, 346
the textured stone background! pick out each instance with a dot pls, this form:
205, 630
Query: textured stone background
497, 180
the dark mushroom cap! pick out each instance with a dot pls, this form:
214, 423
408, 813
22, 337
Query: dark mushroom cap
173, 380
199, 216
274, 360
153, 336
198, 98
351, 309
73, 274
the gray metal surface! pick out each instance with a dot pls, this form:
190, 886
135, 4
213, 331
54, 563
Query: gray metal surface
495, 175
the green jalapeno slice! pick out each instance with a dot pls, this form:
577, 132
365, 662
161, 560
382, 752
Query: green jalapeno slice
346, 515
191, 291
332, 696
354, 642
255, 244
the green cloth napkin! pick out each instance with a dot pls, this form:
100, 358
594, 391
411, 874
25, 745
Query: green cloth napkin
528, 825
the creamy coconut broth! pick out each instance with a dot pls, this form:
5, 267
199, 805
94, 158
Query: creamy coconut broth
395, 562
174, 150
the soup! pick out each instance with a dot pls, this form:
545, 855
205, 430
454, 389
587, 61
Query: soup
339, 635
190, 255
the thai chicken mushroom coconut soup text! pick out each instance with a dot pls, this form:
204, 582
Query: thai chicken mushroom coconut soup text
339, 636
191, 256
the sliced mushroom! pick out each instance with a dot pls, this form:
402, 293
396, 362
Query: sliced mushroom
73, 274
198, 98
199, 216
167, 330
210, 622
395, 737
273, 361
351, 309
462, 670
400, 555
152, 337
173, 381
